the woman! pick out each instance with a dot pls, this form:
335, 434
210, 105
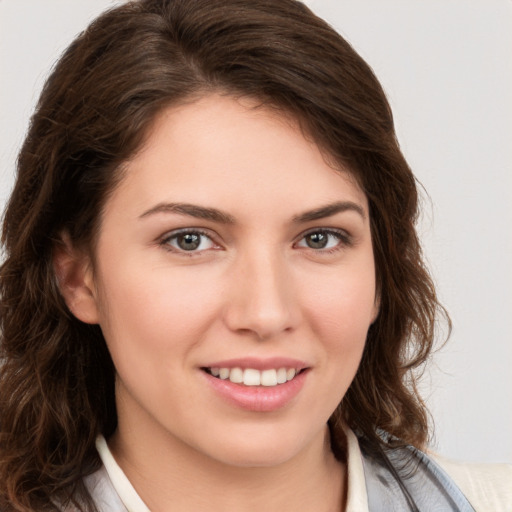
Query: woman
213, 295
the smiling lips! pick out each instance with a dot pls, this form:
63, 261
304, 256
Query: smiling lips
252, 377
256, 385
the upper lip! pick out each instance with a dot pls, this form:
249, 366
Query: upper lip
259, 363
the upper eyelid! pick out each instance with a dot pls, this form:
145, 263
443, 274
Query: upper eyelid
175, 232
166, 243
335, 231
344, 240
169, 235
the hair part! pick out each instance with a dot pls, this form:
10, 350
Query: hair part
57, 378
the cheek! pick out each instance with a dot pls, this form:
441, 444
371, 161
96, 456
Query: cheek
157, 309
343, 302
340, 308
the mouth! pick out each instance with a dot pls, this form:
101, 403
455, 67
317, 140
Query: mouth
257, 385
252, 377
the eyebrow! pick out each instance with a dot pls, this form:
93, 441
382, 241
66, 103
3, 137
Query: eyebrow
329, 210
192, 210
202, 212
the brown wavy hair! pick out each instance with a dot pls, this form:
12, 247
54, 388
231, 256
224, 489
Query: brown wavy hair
57, 377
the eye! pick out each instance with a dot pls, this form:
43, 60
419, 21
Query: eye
324, 239
188, 241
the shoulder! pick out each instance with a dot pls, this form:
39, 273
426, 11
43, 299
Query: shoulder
486, 486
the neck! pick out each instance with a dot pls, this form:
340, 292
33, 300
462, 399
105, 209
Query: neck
167, 472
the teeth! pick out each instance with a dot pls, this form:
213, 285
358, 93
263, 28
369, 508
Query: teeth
236, 375
290, 373
252, 377
269, 378
281, 375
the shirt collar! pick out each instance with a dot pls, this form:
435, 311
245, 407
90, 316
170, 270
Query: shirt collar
122, 486
357, 499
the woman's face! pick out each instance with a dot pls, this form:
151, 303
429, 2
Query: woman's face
231, 254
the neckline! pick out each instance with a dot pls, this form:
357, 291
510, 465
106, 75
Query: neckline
357, 498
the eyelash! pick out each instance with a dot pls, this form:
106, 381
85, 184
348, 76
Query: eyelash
165, 241
344, 240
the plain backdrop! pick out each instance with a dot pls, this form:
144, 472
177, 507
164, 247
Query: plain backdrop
446, 66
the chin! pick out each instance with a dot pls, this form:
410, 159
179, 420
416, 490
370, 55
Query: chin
255, 458
262, 449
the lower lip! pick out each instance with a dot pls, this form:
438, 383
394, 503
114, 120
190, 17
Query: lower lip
257, 398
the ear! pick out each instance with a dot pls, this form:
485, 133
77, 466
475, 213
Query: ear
75, 277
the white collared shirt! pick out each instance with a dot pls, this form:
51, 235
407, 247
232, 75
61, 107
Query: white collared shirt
488, 487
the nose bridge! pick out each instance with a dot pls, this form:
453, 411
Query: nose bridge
262, 299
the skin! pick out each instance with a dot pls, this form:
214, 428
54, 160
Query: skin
253, 288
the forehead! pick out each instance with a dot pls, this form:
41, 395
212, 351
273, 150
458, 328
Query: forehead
237, 153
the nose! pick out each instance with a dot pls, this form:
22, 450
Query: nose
261, 299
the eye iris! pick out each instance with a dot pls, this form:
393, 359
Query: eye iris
317, 240
188, 241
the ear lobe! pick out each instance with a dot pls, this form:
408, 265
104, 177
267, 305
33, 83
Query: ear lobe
76, 281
